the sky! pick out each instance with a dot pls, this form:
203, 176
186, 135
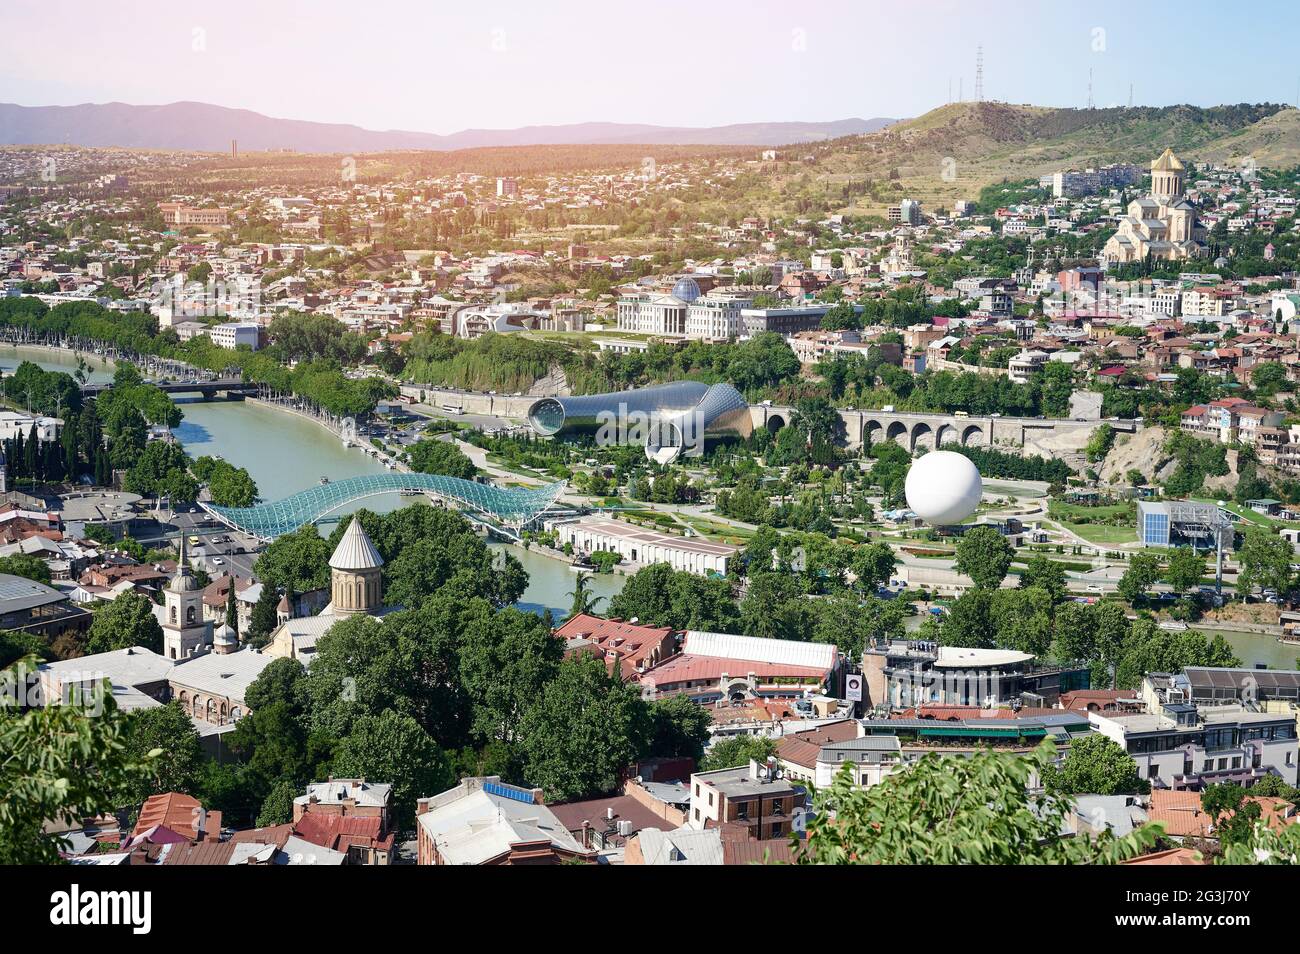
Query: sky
437, 66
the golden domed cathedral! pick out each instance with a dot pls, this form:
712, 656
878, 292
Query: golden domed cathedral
1162, 225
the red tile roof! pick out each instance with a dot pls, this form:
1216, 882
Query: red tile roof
178, 812
339, 832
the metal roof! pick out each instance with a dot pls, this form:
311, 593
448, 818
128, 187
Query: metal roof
355, 551
19, 593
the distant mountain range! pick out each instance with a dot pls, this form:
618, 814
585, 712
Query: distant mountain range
208, 128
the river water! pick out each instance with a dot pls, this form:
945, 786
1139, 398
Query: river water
285, 453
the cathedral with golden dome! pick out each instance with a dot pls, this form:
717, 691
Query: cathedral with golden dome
1162, 225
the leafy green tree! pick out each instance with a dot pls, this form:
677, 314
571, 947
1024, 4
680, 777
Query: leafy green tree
30, 567
394, 748
984, 555
1235, 815
506, 659
1095, 765
1151, 649
441, 457
1265, 846
232, 486
14, 645
853, 624
169, 730
873, 565
277, 807
1185, 569
737, 750
658, 595
975, 810
1143, 570
678, 727
297, 561
1022, 620
62, 762
584, 601
775, 607
123, 622
265, 616
1045, 574
405, 663
1265, 561
583, 730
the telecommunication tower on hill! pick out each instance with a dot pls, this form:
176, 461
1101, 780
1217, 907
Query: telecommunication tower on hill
979, 73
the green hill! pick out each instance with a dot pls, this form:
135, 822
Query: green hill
952, 152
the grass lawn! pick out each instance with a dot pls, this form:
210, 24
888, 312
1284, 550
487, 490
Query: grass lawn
1101, 533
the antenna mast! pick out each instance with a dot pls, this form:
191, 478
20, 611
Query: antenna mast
979, 73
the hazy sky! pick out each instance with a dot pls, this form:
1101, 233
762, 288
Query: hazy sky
436, 66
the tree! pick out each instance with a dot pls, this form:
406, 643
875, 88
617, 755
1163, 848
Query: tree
737, 750
1265, 561
1265, 846
506, 659
460, 561
584, 601
277, 807
30, 567
583, 731
297, 561
679, 727
1149, 648
169, 730
658, 595
1045, 574
984, 555
1143, 570
1234, 814
853, 623
394, 748
1185, 569
232, 607
1095, 765
265, 616
873, 564
441, 457
774, 607
61, 762
974, 810
125, 621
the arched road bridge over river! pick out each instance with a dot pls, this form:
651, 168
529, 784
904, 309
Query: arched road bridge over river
911, 430
505, 508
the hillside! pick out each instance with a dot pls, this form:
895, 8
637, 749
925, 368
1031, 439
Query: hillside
203, 127
976, 144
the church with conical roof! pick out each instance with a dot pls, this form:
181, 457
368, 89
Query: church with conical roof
356, 588
1161, 225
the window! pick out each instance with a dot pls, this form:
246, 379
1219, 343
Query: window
742, 810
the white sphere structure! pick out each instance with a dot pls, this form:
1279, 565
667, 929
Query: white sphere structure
943, 488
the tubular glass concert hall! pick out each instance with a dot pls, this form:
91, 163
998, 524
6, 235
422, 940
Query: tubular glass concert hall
667, 419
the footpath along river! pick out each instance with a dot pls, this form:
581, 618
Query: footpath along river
285, 453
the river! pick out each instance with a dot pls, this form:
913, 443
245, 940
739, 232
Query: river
285, 453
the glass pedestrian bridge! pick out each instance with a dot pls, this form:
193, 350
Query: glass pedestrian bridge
511, 506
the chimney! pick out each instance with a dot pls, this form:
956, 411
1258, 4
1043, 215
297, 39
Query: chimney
539, 798
422, 805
